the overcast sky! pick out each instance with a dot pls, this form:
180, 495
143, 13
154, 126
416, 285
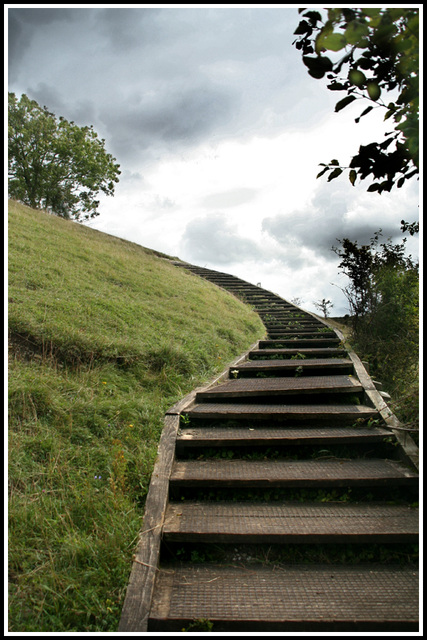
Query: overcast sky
219, 132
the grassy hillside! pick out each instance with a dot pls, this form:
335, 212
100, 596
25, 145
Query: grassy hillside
104, 336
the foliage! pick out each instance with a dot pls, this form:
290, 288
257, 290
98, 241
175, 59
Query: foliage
383, 296
55, 164
104, 336
201, 624
324, 306
366, 267
380, 53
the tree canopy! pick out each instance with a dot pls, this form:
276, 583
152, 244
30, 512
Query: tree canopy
54, 164
380, 64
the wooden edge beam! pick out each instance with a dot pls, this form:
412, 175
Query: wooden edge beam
136, 607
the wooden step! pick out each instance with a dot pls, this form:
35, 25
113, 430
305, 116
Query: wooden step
312, 365
299, 342
295, 334
279, 306
304, 332
285, 386
286, 311
343, 414
289, 523
218, 436
291, 473
284, 327
327, 352
287, 598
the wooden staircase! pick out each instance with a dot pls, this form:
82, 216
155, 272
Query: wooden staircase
283, 497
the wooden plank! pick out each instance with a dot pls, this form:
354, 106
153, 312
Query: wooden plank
218, 436
251, 387
299, 342
289, 523
140, 589
236, 411
253, 367
291, 473
308, 352
303, 332
288, 598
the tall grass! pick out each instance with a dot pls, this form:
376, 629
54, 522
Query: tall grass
104, 336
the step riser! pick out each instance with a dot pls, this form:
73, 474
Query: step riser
296, 342
284, 415
299, 538
288, 353
188, 443
287, 626
297, 483
306, 332
292, 371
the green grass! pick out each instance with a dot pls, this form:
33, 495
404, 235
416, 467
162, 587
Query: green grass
104, 336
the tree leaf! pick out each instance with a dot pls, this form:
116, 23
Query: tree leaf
337, 86
313, 16
374, 187
366, 111
322, 172
344, 102
335, 173
374, 90
352, 176
356, 33
333, 42
356, 77
317, 66
302, 28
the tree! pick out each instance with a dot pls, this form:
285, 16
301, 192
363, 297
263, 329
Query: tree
55, 164
324, 306
380, 53
384, 299
365, 267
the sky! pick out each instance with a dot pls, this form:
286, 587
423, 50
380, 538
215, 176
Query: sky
219, 132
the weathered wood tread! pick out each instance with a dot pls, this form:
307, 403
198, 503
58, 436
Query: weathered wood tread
251, 436
306, 332
287, 598
289, 325
325, 352
289, 523
291, 473
312, 363
280, 411
247, 387
300, 342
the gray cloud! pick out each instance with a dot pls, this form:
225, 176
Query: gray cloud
127, 29
150, 77
182, 118
336, 212
214, 240
22, 23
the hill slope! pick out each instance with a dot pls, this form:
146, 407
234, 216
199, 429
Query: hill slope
104, 336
